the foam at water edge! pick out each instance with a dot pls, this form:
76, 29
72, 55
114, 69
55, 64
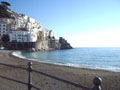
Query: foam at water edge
18, 54
113, 69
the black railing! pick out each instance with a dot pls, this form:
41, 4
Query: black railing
96, 81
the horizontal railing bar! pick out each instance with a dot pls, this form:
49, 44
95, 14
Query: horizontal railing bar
13, 66
18, 81
46, 74
65, 81
13, 80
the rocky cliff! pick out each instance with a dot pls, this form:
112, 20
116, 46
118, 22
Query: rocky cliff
52, 44
64, 44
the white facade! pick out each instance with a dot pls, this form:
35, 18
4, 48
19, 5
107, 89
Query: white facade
22, 35
19, 36
47, 33
5, 26
22, 29
51, 33
2, 29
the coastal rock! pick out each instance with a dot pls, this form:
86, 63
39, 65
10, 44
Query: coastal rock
57, 45
45, 45
64, 44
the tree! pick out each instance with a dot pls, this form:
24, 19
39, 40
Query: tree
5, 12
5, 38
3, 3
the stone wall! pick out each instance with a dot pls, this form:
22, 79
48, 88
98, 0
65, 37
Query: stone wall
45, 45
39, 45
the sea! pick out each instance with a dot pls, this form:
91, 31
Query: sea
101, 58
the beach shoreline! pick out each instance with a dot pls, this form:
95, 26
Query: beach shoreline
60, 64
111, 80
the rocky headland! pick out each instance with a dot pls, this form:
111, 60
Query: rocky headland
25, 33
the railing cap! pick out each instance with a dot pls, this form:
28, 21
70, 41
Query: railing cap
29, 63
97, 81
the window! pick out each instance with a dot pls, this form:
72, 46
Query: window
3, 25
19, 37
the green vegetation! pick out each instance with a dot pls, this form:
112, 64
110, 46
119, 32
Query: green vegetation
5, 38
5, 12
5, 4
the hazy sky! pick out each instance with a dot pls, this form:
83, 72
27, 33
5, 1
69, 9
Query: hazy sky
84, 23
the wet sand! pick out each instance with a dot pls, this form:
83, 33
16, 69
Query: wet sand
111, 80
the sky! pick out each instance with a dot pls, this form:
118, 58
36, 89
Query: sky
83, 23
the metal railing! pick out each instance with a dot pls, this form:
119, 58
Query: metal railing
96, 81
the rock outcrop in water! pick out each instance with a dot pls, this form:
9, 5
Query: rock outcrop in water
64, 44
27, 34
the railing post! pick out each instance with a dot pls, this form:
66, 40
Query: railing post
97, 82
29, 75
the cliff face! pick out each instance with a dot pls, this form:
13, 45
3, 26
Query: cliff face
52, 44
40, 37
45, 45
64, 44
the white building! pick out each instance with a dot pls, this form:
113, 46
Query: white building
23, 29
5, 26
22, 35
19, 36
2, 29
47, 33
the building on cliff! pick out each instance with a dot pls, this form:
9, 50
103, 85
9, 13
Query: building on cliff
25, 32
18, 31
23, 29
21, 35
5, 26
23, 25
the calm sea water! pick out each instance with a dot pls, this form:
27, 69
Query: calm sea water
92, 58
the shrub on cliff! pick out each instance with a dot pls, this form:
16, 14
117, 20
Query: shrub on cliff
5, 12
5, 38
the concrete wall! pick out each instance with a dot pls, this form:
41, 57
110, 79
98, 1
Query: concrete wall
45, 45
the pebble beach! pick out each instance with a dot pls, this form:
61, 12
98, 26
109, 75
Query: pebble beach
110, 80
